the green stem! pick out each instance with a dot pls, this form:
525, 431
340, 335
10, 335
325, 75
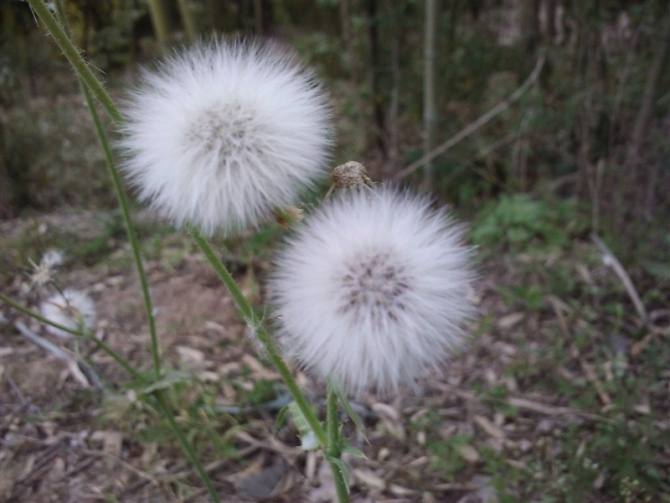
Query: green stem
185, 445
90, 83
252, 320
332, 424
123, 204
102, 345
335, 450
130, 230
73, 55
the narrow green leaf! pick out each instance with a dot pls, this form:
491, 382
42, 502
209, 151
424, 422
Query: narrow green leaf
343, 468
354, 452
308, 438
342, 397
281, 418
171, 378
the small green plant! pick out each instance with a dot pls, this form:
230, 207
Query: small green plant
448, 455
517, 222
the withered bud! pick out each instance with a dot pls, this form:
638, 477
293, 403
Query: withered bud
349, 174
287, 215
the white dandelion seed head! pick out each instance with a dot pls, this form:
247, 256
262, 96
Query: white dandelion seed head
44, 271
371, 290
72, 309
224, 132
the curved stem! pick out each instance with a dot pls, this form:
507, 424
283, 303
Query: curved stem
252, 320
76, 60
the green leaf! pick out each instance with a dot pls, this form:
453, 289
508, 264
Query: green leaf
354, 452
342, 466
349, 410
517, 234
170, 378
308, 439
281, 418
659, 270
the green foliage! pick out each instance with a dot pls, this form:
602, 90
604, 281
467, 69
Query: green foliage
193, 403
262, 391
518, 223
308, 440
33, 240
615, 450
496, 397
51, 159
447, 457
621, 450
470, 61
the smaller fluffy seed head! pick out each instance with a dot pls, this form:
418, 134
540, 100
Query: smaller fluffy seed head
371, 290
223, 133
44, 272
71, 308
52, 258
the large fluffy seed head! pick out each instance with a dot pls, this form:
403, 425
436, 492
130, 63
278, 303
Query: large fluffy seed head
371, 290
222, 133
72, 309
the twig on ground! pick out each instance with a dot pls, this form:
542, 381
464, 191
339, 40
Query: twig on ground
590, 373
552, 410
474, 126
595, 381
41, 342
613, 262
15, 389
85, 375
523, 403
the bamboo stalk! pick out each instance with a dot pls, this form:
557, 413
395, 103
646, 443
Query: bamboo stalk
159, 20
430, 116
650, 91
188, 19
474, 126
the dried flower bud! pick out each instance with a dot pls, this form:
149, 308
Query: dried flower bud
349, 174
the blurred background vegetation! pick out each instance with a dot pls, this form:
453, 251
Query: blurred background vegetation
592, 132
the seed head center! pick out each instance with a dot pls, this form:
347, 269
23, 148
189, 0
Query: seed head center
223, 131
375, 284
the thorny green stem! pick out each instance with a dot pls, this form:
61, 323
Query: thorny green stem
101, 344
130, 230
186, 445
252, 320
335, 447
90, 83
72, 54
120, 195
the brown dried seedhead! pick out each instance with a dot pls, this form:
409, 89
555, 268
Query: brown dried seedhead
349, 174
